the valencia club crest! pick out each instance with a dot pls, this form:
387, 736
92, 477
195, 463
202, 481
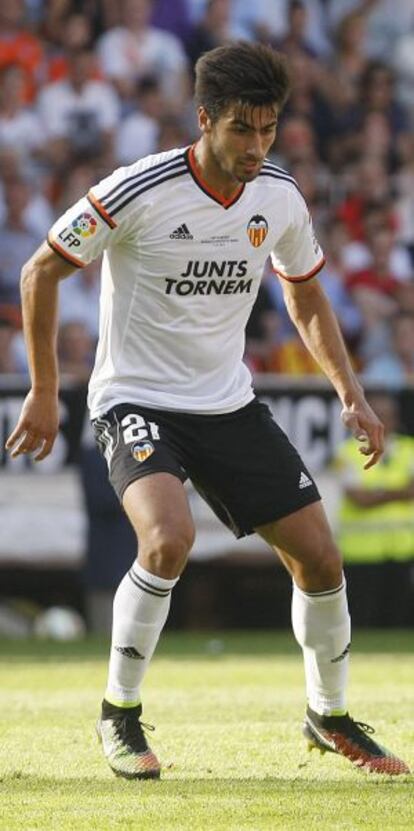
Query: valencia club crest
257, 230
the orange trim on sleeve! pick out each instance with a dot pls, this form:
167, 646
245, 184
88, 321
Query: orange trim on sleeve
206, 187
303, 277
62, 253
101, 210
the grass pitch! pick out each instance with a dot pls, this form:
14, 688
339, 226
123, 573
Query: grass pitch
228, 711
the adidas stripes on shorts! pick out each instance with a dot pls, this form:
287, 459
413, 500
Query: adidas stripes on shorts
241, 463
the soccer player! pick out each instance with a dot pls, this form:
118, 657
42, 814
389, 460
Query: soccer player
185, 236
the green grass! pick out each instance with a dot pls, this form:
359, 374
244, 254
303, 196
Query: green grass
228, 710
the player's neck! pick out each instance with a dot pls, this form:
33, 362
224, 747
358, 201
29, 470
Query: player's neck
211, 172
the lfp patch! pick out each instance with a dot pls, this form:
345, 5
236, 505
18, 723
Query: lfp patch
257, 230
84, 225
141, 450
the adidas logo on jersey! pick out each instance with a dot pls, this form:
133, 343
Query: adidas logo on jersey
304, 481
181, 232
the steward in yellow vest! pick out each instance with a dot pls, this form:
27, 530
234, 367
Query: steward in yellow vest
376, 515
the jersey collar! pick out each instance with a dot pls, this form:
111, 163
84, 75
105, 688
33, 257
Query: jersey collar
202, 184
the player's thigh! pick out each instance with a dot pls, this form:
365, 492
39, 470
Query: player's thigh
306, 545
158, 509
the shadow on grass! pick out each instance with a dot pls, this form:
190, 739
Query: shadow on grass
95, 786
203, 646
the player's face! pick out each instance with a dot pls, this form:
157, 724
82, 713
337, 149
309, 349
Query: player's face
240, 140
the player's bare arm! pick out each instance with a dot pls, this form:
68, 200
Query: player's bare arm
38, 423
316, 322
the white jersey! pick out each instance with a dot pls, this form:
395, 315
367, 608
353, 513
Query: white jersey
181, 271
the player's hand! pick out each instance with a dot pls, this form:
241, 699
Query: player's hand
366, 427
37, 427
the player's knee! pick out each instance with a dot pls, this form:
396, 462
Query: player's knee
166, 550
327, 566
323, 569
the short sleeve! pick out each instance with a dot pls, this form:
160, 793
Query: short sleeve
83, 232
297, 256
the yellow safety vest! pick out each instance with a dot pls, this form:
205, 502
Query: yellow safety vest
383, 532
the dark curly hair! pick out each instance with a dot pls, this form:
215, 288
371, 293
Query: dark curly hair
247, 73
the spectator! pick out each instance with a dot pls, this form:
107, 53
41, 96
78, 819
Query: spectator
17, 242
387, 20
296, 141
135, 49
403, 64
138, 133
373, 123
295, 40
309, 100
377, 95
406, 297
375, 292
349, 61
376, 521
74, 33
10, 324
100, 13
357, 255
291, 358
376, 514
268, 20
78, 180
79, 299
79, 114
368, 186
172, 17
107, 531
75, 351
375, 132
19, 46
378, 275
20, 126
262, 330
37, 212
395, 366
404, 204
274, 343
212, 30
343, 137
332, 279
172, 133
314, 182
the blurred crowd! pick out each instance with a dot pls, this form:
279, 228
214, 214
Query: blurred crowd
88, 85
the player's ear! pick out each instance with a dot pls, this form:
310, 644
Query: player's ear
204, 120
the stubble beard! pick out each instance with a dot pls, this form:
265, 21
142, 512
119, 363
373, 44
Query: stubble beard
241, 178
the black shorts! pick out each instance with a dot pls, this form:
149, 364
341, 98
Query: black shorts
241, 463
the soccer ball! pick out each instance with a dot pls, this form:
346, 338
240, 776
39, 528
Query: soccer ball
60, 623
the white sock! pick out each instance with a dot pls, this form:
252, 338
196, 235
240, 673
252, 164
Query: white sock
322, 627
141, 606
